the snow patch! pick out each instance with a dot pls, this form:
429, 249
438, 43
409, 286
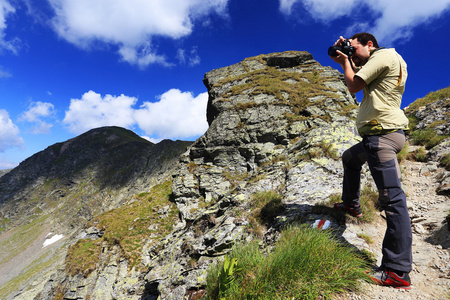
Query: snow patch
52, 239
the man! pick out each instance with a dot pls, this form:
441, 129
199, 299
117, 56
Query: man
381, 74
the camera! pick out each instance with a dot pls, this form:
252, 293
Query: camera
345, 48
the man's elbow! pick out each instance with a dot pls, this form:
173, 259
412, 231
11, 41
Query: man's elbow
356, 85
353, 90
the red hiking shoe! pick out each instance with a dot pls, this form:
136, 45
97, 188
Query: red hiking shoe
390, 278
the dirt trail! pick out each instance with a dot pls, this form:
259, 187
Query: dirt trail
430, 276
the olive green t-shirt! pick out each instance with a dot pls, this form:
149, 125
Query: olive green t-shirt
385, 75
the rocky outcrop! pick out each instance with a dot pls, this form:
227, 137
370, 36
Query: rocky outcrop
278, 122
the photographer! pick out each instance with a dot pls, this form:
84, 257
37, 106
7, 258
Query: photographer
381, 74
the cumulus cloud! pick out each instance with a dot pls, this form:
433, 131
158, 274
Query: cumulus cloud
9, 133
93, 110
177, 115
37, 113
130, 24
392, 19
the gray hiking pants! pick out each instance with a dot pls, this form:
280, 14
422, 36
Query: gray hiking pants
380, 153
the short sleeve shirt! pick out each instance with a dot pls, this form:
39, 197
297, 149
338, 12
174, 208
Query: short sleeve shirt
385, 74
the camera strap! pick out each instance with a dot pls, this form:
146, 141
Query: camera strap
351, 64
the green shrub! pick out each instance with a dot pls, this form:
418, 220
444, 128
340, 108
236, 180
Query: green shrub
305, 263
418, 155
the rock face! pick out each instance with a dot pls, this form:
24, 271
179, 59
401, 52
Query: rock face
436, 116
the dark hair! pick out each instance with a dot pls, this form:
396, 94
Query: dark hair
364, 38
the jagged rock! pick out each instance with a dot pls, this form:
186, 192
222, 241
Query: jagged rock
258, 140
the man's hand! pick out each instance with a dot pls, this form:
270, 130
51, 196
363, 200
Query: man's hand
340, 59
339, 41
354, 83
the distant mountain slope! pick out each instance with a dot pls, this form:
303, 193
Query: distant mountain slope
75, 177
57, 190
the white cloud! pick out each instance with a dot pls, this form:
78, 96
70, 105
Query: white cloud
93, 110
4, 74
130, 24
9, 133
5, 164
192, 58
393, 20
6, 9
177, 115
37, 111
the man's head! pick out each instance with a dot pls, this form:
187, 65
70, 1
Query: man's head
363, 38
363, 43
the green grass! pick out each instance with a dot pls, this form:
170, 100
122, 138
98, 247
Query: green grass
427, 137
418, 155
305, 263
150, 214
369, 205
429, 98
266, 206
445, 161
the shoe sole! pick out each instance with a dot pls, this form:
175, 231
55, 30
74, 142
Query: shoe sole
379, 282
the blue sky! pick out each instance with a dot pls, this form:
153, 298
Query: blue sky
67, 66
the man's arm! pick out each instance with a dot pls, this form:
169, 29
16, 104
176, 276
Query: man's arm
353, 81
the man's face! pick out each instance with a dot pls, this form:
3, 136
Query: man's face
362, 53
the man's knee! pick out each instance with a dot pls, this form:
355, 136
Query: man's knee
350, 160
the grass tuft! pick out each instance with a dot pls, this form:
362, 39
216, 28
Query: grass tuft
427, 137
369, 205
266, 206
306, 263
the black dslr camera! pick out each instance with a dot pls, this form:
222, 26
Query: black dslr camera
345, 48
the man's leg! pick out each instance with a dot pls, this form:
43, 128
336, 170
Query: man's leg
352, 160
382, 160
